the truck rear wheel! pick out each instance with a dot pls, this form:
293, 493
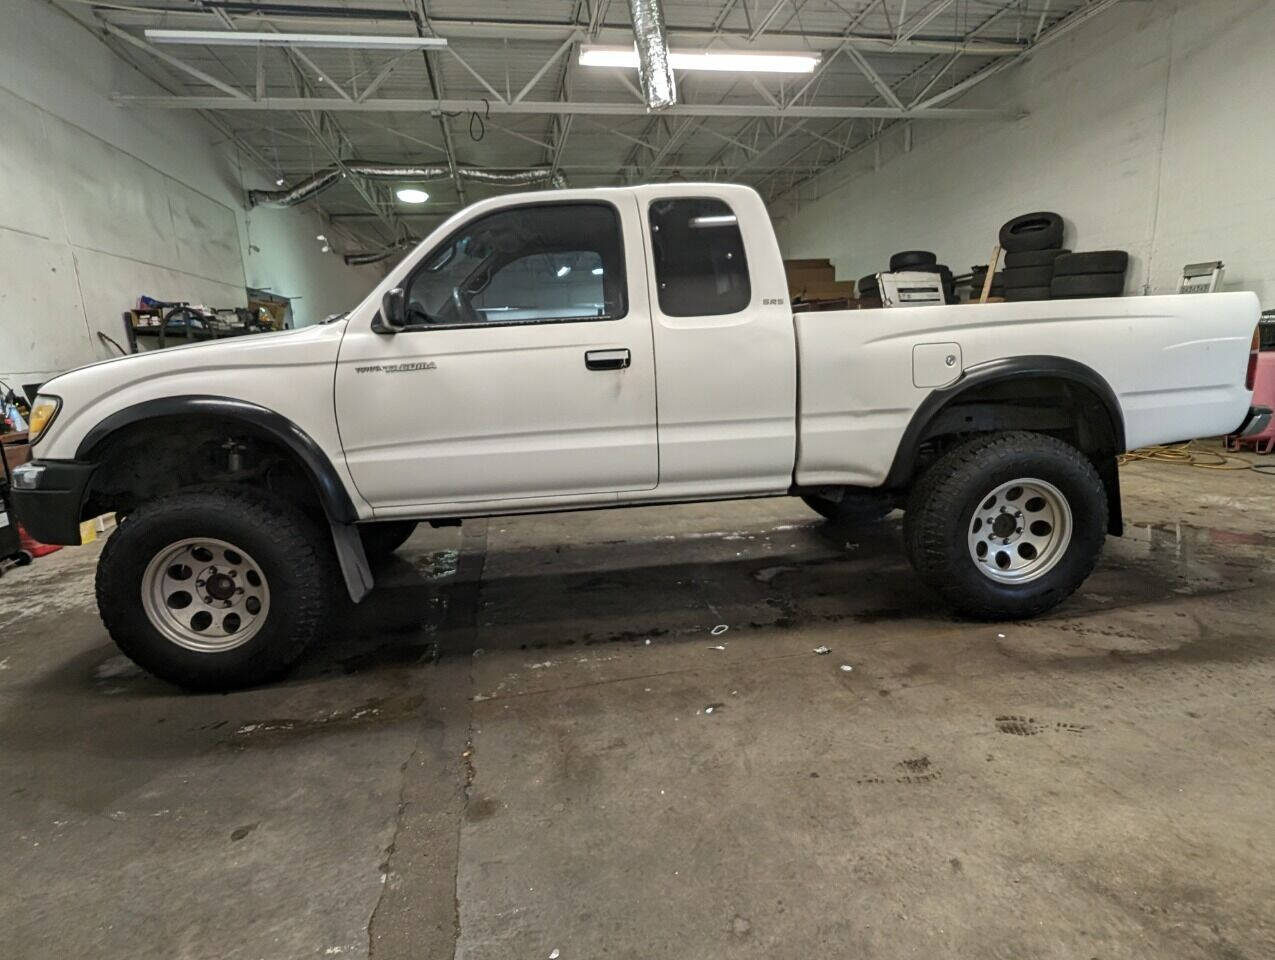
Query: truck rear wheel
214, 589
1007, 525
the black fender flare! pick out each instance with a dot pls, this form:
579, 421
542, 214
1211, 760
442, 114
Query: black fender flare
1006, 369
332, 493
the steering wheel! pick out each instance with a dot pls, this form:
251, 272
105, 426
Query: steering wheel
464, 310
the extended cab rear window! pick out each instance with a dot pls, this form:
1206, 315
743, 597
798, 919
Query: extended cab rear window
700, 267
539, 263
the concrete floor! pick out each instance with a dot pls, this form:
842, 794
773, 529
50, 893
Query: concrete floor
509, 750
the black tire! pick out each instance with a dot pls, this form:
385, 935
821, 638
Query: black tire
1033, 258
1028, 277
1098, 261
382, 539
911, 259
852, 509
868, 286
941, 508
1089, 285
296, 561
1032, 231
1025, 294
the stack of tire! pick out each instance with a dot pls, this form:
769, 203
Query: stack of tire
978, 276
923, 261
1099, 273
1032, 243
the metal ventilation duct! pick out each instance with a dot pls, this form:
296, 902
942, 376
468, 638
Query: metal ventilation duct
376, 256
654, 70
318, 182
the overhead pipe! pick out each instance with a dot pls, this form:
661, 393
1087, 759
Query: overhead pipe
318, 182
654, 71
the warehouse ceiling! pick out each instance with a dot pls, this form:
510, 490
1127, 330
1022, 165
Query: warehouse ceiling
507, 93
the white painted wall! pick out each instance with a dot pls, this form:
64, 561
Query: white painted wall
99, 204
1150, 129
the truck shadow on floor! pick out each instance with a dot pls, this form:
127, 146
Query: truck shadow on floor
631, 591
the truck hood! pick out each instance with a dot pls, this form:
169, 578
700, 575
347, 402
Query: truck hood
210, 368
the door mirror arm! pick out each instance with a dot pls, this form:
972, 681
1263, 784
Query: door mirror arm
393, 313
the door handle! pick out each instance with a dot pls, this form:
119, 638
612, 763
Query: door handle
607, 359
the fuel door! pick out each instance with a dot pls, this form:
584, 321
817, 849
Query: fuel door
936, 364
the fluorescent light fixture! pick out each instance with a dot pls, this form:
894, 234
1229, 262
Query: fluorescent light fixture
731, 61
563, 270
247, 38
412, 195
597, 271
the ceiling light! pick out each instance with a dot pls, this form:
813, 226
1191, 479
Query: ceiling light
412, 195
734, 61
563, 270
278, 181
247, 38
326, 249
320, 237
597, 271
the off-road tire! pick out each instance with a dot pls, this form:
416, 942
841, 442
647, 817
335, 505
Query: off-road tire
941, 508
1032, 231
297, 562
1095, 261
1033, 258
1026, 294
382, 539
912, 260
1077, 286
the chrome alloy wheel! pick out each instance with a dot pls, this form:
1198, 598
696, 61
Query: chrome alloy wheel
205, 595
1020, 530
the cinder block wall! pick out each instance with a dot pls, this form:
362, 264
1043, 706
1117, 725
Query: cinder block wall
1149, 129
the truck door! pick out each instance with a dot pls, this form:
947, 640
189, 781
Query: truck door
725, 342
526, 371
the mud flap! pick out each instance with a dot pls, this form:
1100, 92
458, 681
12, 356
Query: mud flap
353, 560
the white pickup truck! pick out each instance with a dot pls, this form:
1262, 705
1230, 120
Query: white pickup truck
594, 348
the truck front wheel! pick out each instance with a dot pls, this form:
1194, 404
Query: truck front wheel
1007, 525
214, 589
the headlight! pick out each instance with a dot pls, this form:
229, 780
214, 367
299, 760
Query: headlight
43, 411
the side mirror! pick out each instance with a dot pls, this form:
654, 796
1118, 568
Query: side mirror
393, 315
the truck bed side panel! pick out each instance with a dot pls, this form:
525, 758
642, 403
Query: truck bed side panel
1176, 363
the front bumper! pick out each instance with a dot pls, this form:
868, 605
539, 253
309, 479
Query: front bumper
50, 510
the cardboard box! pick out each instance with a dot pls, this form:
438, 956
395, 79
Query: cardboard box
16, 449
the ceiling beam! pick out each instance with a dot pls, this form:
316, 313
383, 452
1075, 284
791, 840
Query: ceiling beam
550, 31
592, 108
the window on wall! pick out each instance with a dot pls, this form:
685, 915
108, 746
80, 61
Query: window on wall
700, 268
540, 263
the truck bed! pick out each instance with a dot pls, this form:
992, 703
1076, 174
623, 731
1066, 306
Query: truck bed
1175, 363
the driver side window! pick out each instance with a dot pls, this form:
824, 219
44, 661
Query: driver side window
540, 263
